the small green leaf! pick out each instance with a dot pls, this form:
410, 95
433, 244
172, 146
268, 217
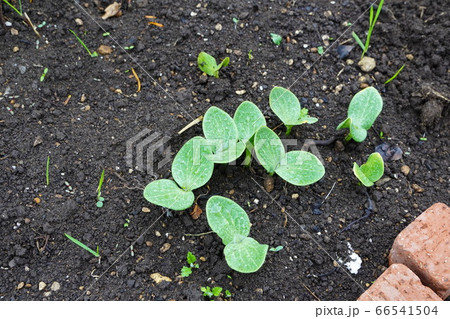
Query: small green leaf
269, 148
226, 218
216, 291
248, 119
166, 193
191, 258
364, 109
371, 171
186, 271
276, 249
190, 168
285, 105
320, 50
224, 63
244, 254
99, 204
207, 63
79, 243
227, 294
276, 38
300, 168
206, 291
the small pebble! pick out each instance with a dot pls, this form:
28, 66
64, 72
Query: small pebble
148, 244
410, 57
42, 285
218, 27
104, 49
145, 210
55, 286
417, 188
405, 170
367, 64
295, 196
157, 233
240, 92
47, 293
78, 21
269, 184
14, 31
20, 285
165, 247
16, 49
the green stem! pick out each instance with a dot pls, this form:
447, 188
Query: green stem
347, 138
288, 129
13, 7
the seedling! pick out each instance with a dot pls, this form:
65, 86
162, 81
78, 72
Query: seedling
320, 50
227, 294
250, 55
231, 223
106, 34
296, 167
127, 223
211, 293
358, 40
364, 109
131, 47
190, 170
287, 107
235, 21
372, 21
395, 75
276, 249
21, 13
79, 243
44, 74
100, 199
371, 171
191, 259
208, 64
92, 54
276, 38
47, 171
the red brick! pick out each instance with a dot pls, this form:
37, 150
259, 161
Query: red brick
398, 283
424, 247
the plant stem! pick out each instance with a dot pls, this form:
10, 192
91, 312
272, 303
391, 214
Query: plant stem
288, 129
47, 173
347, 139
14, 8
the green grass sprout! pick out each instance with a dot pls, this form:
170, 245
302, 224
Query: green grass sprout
19, 12
275, 249
358, 40
372, 21
276, 38
106, 34
44, 74
100, 199
395, 75
92, 54
79, 243
131, 47
320, 50
47, 171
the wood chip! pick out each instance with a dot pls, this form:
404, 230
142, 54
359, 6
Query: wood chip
111, 10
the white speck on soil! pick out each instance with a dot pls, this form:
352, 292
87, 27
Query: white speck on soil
355, 261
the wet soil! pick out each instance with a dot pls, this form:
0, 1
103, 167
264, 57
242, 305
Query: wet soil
88, 133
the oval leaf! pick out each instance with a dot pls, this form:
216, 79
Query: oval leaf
207, 63
218, 125
285, 105
166, 193
190, 168
371, 171
300, 168
269, 148
365, 107
244, 254
248, 119
226, 218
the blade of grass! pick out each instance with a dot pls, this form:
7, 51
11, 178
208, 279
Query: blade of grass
92, 54
100, 183
47, 172
14, 8
79, 243
372, 22
395, 75
358, 40
20, 6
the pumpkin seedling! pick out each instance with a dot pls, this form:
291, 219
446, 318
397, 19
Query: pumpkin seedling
364, 109
371, 171
191, 259
208, 64
79, 243
100, 199
231, 223
287, 107
190, 170
296, 167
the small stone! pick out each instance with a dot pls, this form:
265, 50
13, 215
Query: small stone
20, 285
349, 61
14, 31
78, 21
290, 61
231, 192
16, 49
218, 27
37, 200
165, 247
417, 188
328, 14
104, 49
259, 291
38, 141
367, 64
240, 92
314, 50
158, 278
339, 146
83, 98
47, 293
405, 170
148, 244
157, 234
55, 286
202, 259
410, 57
145, 210
86, 108
295, 196
203, 79
269, 184
326, 239
42, 285
193, 14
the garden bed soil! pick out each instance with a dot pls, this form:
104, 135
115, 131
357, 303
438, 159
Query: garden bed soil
89, 133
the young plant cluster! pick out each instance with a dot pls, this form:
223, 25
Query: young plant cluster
226, 139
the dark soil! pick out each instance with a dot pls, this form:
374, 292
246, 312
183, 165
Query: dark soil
82, 141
